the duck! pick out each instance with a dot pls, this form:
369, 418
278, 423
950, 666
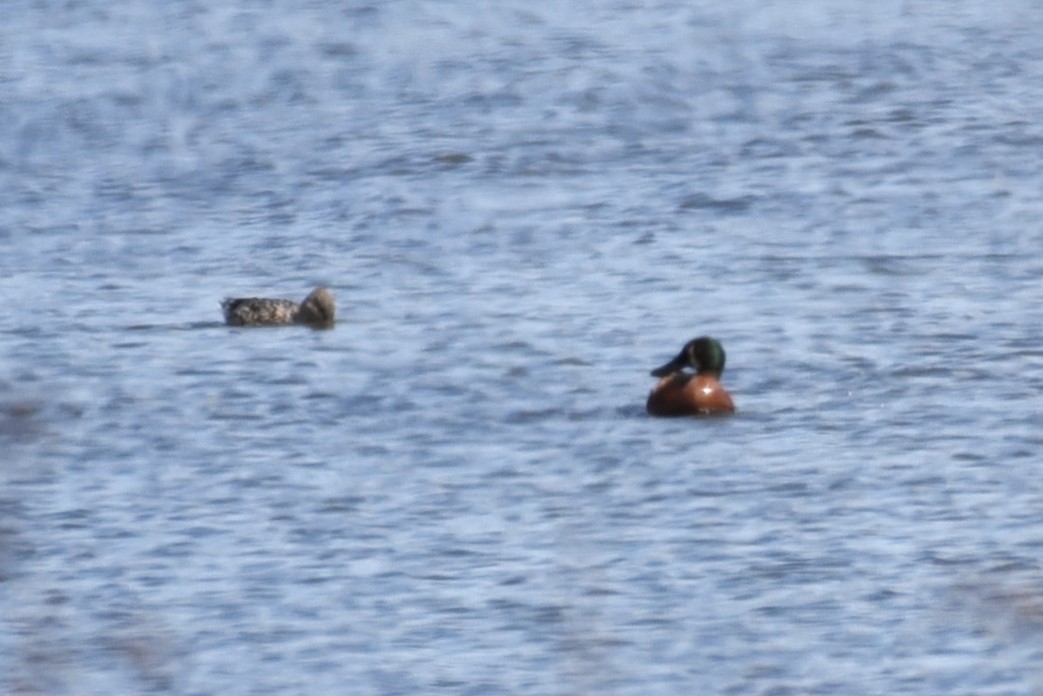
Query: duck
317, 310
682, 393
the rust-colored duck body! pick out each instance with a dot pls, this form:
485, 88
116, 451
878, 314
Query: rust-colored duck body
682, 393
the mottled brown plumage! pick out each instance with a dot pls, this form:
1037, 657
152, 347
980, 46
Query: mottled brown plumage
317, 310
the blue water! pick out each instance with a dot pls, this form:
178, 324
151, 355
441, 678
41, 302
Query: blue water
521, 209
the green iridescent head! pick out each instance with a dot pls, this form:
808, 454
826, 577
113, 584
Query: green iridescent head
703, 354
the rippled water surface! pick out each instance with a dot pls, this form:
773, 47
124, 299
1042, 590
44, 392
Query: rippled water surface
521, 210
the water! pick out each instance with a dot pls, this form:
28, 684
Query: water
521, 210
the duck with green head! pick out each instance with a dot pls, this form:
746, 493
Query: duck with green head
683, 393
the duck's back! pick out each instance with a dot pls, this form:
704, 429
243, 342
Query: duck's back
259, 311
